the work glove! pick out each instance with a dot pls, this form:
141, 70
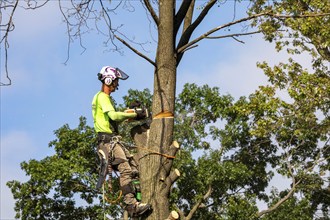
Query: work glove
140, 113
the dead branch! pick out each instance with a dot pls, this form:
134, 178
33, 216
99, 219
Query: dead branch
136, 51
190, 29
207, 34
152, 12
233, 35
183, 14
9, 27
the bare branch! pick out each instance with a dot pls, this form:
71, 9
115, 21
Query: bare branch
136, 51
205, 35
217, 29
188, 48
36, 6
152, 11
182, 14
10, 27
189, 31
233, 35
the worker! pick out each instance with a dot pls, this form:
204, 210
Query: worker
110, 151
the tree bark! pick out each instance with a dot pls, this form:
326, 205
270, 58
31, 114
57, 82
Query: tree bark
160, 135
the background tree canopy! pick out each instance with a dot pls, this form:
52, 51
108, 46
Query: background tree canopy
230, 149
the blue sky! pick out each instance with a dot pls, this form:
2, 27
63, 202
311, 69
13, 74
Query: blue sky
46, 94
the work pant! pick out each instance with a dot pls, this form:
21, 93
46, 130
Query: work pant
118, 158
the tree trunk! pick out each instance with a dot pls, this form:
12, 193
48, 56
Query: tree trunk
156, 169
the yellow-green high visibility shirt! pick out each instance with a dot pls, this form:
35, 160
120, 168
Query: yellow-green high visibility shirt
103, 111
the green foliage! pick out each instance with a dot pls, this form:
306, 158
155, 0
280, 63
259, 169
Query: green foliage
61, 184
230, 150
308, 28
196, 108
226, 146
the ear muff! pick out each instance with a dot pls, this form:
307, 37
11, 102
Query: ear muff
99, 76
107, 81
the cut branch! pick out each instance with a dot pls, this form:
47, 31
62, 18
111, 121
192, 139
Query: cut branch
136, 51
174, 175
167, 164
172, 216
174, 148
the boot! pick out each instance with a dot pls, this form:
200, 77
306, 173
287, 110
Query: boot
137, 209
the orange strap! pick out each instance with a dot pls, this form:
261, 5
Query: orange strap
114, 201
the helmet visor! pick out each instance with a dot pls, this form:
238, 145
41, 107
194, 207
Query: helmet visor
121, 74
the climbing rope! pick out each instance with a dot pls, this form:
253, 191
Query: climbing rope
105, 198
156, 152
113, 201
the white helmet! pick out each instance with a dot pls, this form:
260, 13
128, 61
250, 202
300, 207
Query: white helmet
108, 74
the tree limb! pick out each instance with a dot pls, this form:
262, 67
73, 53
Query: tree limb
182, 14
288, 195
281, 201
189, 31
152, 11
10, 27
171, 178
167, 164
268, 13
234, 35
136, 51
198, 203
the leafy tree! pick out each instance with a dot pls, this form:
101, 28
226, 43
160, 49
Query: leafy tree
260, 131
241, 145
